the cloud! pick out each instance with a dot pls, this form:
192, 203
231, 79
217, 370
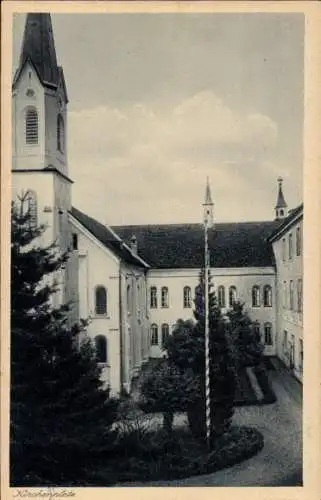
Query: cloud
144, 164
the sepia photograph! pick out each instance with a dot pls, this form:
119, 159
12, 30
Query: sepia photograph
156, 277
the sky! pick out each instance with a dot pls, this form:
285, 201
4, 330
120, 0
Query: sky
158, 102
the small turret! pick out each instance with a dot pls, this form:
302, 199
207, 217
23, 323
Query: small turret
281, 208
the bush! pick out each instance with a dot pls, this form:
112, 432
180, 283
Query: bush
182, 456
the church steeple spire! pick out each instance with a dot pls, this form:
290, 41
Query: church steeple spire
281, 206
38, 46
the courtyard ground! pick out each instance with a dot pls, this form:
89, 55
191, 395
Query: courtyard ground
280, 461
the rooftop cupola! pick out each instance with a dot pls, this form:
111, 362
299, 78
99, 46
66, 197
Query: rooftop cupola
281, 208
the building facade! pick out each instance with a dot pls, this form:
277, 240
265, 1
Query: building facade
132, 283
287, 243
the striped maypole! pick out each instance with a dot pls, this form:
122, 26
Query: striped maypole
208, 222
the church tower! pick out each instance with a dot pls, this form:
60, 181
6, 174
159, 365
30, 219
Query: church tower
39, 138
281, 208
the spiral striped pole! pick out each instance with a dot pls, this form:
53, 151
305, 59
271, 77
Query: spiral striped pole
208, 222
207, 354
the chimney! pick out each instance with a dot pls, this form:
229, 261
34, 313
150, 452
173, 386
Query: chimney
133, 244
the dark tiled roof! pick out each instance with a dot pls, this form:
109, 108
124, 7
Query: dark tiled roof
241, 244
38, 47
106, 237
284, 223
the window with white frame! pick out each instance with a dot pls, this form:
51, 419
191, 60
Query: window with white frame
187, 297
164, 296
221, 296
165, 332
101, 349
232, 295
100, 300
154, 334
256, 296
153, 297
268, 339
31, 126
267, 296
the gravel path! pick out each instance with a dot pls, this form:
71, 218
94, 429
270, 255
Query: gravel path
280, 461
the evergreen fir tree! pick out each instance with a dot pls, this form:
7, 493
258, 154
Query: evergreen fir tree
60, 413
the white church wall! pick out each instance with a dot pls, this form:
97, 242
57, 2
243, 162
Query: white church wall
242, 278
27, 156
99, 267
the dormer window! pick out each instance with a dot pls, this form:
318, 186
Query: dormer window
31, 125
60, 134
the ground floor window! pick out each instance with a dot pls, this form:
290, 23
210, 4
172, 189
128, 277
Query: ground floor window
268, 334
154, 335
165, 332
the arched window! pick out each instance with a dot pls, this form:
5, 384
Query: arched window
165, 332
154, 334
221, 296
267, 296
153, 297
187, 296
31, 124
256, 296
60, 134
32, 207
232, 295
101, 300
268, 334
164, 296
101, 349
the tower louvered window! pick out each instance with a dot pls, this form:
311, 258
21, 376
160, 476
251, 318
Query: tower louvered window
60, 134
31, 126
